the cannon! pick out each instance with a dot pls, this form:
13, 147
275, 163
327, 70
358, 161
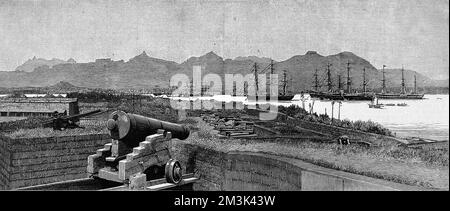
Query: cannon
131, 128
62, 122
138, 152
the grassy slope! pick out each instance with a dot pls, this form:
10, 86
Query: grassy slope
97, 128
426, 168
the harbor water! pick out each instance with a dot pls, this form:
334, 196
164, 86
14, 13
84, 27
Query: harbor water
427, 118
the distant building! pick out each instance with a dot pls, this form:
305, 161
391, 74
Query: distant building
26, 107
44, 95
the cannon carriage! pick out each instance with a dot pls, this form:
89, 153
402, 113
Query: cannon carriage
139, 151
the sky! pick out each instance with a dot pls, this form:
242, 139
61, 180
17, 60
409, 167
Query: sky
412, 33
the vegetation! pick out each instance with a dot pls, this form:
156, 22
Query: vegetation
420, 167
191, 123
366, 126
49, 132
301, 114
205, 130
158, 108
29, 123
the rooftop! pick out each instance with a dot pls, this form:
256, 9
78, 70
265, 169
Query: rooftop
38, 100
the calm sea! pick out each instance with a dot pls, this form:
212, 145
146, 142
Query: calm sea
426, 118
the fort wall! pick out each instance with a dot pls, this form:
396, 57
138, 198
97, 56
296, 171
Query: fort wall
246, 171
18, 107
34, 161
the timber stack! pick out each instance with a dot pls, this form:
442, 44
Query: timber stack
230, 127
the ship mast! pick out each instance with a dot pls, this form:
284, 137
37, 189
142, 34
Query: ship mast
364, 80
271, 66
403, 81
415, 84
349, 83
330, 84
339, 82
316, 80
269, 81
383, 89
284, 82
256, 77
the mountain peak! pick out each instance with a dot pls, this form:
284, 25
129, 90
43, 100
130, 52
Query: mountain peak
211, 54
312, 53
143, 54
146, 72
71, 60
346, 53
209, 57
141, 57
63, 84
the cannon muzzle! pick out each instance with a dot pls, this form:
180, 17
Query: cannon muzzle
132, 128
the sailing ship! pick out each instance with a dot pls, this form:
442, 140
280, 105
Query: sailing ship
402, 94
282, 96
331, 94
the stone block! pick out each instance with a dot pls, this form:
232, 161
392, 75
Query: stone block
138, 181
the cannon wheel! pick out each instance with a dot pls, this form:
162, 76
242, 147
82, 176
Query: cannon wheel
173, 171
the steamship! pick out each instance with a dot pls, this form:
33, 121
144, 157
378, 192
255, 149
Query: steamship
282, 96
340, 94
402, 94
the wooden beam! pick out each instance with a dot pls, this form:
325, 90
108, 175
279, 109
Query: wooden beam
171, 185
97, 161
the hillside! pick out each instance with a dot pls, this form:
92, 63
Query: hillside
143, 71
301, 70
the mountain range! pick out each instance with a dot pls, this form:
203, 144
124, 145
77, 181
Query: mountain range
143, 71
33, 63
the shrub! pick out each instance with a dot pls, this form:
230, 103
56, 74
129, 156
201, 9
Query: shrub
204, 130
31, 122
365, 126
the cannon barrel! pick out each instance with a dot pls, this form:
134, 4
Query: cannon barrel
132, 128
63, 121
78, 116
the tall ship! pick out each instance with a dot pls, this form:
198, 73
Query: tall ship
402, 94
340, 94
283, 95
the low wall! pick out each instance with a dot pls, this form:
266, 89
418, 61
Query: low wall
241, 171
33, 161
